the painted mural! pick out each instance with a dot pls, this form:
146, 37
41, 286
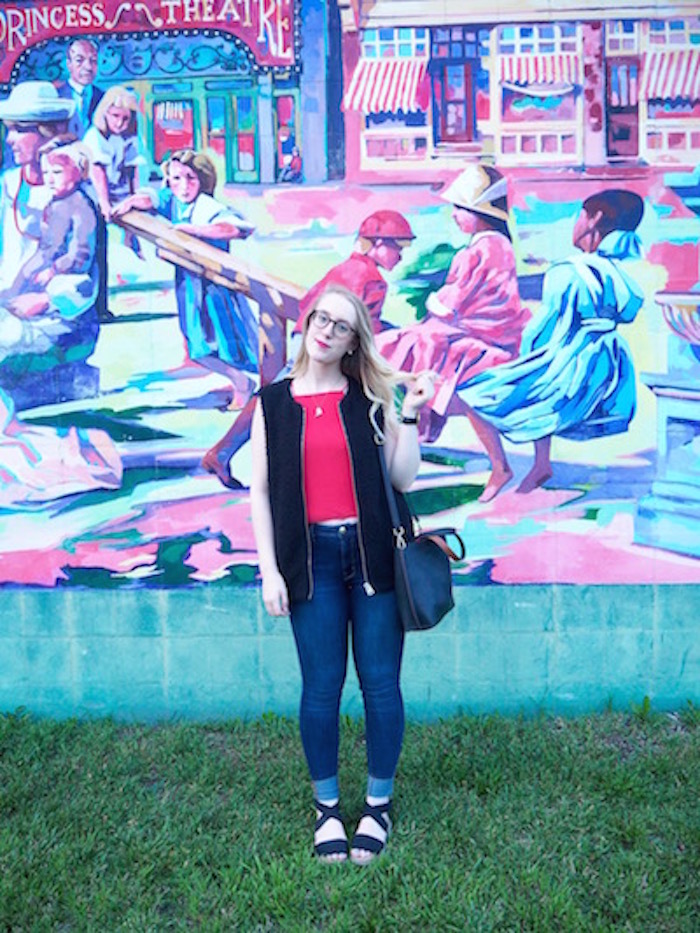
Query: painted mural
181, 177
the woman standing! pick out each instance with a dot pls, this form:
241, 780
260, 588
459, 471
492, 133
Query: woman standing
325, 547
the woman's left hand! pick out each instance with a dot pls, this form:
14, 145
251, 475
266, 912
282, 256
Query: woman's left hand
420, 388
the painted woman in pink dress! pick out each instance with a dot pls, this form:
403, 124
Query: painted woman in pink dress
475, 321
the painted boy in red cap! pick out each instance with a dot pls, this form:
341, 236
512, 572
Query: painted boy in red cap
380, 240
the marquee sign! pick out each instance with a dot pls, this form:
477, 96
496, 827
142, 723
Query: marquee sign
265, 26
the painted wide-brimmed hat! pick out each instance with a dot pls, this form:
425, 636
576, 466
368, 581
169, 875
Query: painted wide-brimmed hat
35, 102
475, 190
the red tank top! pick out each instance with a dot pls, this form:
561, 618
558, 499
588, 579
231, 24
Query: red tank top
328, 485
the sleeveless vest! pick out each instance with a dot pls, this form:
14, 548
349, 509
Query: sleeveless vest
284, 424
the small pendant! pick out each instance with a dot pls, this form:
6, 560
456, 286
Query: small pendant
318, 412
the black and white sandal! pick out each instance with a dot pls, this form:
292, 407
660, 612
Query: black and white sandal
330, 850
371, 845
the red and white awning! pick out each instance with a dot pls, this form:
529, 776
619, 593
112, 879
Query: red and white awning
672, 74
385, 85
550, 68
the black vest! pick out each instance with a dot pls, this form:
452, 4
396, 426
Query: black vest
284, 422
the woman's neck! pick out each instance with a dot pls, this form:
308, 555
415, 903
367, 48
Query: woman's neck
317, 378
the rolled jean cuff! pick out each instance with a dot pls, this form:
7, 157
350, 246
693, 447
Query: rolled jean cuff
327, 789
380, 787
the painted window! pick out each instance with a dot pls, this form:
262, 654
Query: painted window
173, 127
395, 43
623, 84
675, 33
672, 109
621, 37
543, 39
245, 113
523, 106
459, 42
216, 124
286, 127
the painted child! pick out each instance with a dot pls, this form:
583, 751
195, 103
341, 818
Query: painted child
218, 325
113, 144
475, 321
575, 375
56, 288
69, 224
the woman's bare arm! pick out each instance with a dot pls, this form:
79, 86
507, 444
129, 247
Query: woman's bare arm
274, 589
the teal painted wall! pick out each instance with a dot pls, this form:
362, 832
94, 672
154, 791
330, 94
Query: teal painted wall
211, 653
144, 562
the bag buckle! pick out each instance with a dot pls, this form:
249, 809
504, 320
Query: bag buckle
400, 538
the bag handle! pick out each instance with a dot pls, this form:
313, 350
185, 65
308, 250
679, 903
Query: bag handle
438, 537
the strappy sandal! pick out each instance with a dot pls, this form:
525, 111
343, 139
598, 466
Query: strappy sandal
331, 847
372, 844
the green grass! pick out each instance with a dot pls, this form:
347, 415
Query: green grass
510, 824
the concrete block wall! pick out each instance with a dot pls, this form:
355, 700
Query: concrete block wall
212, 652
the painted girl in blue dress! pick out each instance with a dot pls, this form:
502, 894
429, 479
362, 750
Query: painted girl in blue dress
574, 376
218, 325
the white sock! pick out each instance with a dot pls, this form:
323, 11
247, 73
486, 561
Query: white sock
377, 801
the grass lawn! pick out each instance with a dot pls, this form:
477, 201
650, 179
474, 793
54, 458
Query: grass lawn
510, 824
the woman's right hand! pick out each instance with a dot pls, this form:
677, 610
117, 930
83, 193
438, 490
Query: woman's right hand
274, 593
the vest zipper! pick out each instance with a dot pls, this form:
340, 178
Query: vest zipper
309, 555
366, 585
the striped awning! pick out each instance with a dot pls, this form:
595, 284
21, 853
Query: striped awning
672, 74
385, 85
550, 68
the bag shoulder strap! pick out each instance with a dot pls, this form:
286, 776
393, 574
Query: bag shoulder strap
398, 528
438, 535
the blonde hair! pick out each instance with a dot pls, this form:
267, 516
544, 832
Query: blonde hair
116, 96
66, 150
363, 364
201, 165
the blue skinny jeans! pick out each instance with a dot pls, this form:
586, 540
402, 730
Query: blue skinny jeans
321, 626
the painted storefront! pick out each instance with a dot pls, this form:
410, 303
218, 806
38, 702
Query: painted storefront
222, 76
520, 85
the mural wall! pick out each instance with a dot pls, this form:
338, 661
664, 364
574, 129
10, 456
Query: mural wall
179, 174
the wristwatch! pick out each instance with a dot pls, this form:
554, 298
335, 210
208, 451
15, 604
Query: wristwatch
407, 420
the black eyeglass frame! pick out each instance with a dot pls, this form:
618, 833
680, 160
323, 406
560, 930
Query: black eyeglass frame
314, 319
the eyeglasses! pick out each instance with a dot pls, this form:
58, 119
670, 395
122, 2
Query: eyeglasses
321, 319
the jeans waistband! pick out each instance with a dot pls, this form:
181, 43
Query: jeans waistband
333, 532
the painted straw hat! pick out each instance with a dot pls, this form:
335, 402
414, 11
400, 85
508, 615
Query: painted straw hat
35, 102
475, 190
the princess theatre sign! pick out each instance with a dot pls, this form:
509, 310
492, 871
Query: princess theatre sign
265, 26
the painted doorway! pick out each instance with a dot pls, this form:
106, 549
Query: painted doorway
622, 106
